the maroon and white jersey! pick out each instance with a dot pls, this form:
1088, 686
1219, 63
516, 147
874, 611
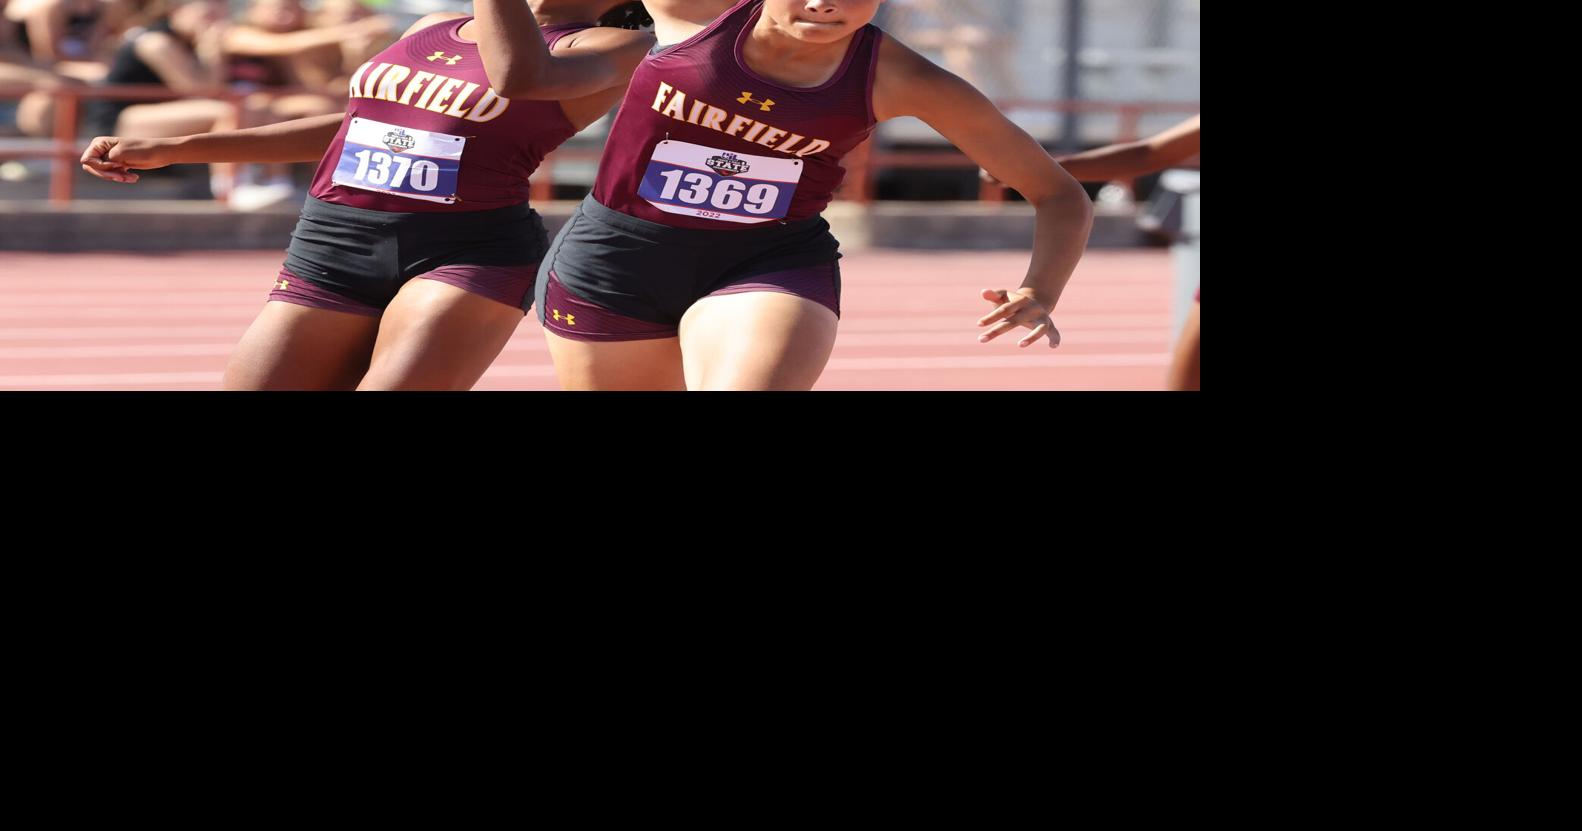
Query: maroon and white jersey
424, 131
702, 141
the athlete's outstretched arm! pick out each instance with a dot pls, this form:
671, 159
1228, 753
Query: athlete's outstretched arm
908, 84
303, 140
520, 66
1135, 158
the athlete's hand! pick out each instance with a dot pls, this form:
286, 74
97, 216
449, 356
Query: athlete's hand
114, 158
1017, 308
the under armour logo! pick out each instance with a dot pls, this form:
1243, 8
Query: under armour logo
571, 320
747, 98
441, 56
282, 285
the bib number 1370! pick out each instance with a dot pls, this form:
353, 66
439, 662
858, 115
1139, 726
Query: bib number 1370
381, 168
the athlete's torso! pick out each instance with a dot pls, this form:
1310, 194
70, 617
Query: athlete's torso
702, 141
424, 131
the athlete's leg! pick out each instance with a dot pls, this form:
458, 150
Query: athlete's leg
766, 332
292, 347
756, 341
436, 335
597, 349
1186, 365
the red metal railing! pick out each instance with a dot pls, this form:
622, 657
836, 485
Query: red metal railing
863, 164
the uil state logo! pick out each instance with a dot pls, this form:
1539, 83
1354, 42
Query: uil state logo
399, 141
728, 164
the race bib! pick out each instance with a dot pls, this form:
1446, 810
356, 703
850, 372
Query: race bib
400, 161
693, 180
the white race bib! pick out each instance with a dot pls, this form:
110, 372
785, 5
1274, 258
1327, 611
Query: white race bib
694, 180
400, 161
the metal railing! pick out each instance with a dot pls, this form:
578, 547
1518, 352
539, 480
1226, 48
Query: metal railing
863, 164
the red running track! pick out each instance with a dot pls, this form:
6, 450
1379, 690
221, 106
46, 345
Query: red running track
168, 322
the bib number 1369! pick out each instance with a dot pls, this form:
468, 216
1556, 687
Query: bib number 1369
720, 185
727, 194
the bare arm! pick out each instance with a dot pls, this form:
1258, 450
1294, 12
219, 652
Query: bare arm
302, 140
520, 66
1135, 158
908, 84
15, 73
677, 20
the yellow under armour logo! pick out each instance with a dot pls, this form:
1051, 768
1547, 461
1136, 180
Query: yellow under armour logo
282, 285
747, 98
571, 320
441, 56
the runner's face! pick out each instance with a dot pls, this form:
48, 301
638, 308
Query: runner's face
821, 21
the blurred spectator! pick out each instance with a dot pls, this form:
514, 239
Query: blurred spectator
339, 63
180, 48
276, 46
63, 30
190, 45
